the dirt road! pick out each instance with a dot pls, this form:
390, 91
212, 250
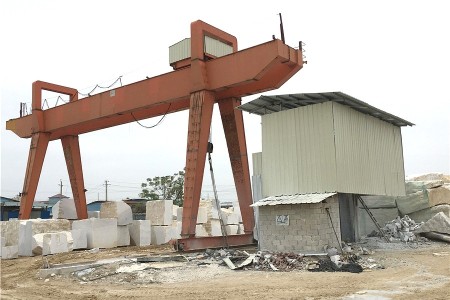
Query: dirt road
422, 273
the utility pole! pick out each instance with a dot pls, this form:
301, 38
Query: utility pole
106, 189
60, 187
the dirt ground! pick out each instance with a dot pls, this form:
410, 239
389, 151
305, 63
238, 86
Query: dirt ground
409, 273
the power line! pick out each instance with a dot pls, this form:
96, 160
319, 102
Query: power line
149, 127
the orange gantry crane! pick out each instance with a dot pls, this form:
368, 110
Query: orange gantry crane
210, 71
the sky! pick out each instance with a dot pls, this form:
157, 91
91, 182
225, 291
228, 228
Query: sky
394, 55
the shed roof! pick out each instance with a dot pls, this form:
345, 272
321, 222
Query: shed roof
270, 104
294, 199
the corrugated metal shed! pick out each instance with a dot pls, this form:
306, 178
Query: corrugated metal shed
293, 199
270, 104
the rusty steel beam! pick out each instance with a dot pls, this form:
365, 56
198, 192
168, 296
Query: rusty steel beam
233, 125
198, 243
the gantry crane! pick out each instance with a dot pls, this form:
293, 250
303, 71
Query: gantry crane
199, 80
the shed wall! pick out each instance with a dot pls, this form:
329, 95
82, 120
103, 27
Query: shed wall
309, 228
298, 151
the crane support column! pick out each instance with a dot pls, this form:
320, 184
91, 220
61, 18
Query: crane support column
38, 148
200, 114
233, 126
72, 154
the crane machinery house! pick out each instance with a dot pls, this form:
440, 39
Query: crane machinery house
320, 153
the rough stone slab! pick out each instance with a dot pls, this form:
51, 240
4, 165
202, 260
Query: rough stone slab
118, 210
427, 213
232, 229
413, 202
200, 231
51, 243
162, 234
440, 195
79, 237
378, 202
175, 212
101, 233
159, 212
382, 215
10, 252
140, 233
439, 223
123, 235
202, 216
9, 231
25, 238
65, 209
416, 186
93, 214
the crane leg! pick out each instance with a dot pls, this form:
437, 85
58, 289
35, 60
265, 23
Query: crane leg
233, 125
71, 148
38, 148
200, 114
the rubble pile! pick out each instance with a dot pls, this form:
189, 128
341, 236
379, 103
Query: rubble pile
402, 229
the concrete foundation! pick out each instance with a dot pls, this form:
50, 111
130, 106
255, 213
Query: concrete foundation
118, 210
159, 212
101, 233
140, 233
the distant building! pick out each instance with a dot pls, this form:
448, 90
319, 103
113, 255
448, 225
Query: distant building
9, 209
55, 198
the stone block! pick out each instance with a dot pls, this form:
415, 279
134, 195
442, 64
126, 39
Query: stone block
101, 233
427, 213
237, 210
438, 223
51, 243
232, 229
211, 209
175, 212
241, 228
10, 252
3, 241
378, 202
179, 214
413, 202
25, 238
9, 231
28, 228
229, 217
118, 210
439, 195
123, 235
200, 230
140, 233
162, 234
177, 227
93, 214
79, 237
416, 186
159, 212
202, 216
65, 209
215, 228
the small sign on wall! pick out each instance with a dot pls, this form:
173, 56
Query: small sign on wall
282, 220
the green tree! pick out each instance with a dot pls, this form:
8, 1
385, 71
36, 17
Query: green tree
170, 187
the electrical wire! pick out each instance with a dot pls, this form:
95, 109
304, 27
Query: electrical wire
119, 79
149, 127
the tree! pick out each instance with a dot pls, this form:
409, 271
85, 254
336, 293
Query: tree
170, 187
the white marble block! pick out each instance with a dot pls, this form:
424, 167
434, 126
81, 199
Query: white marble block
64, 209
159, 212
140, 233
237, 211
3, 241
232, 229
202, 216
10, 252
177, 226
215, 228
162, 234
101, 233
116, 209
175, 212
94, 214
79, 237
200, 230
241, 228
179, 214
123, 235
229, 217
51, 243
9, 231
25, 238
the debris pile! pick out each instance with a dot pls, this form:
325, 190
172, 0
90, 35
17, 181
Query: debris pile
401, 229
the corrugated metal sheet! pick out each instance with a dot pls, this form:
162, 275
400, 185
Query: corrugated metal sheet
293, 199
257, 163
182, 49
270, 104
298, 151
217, 48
